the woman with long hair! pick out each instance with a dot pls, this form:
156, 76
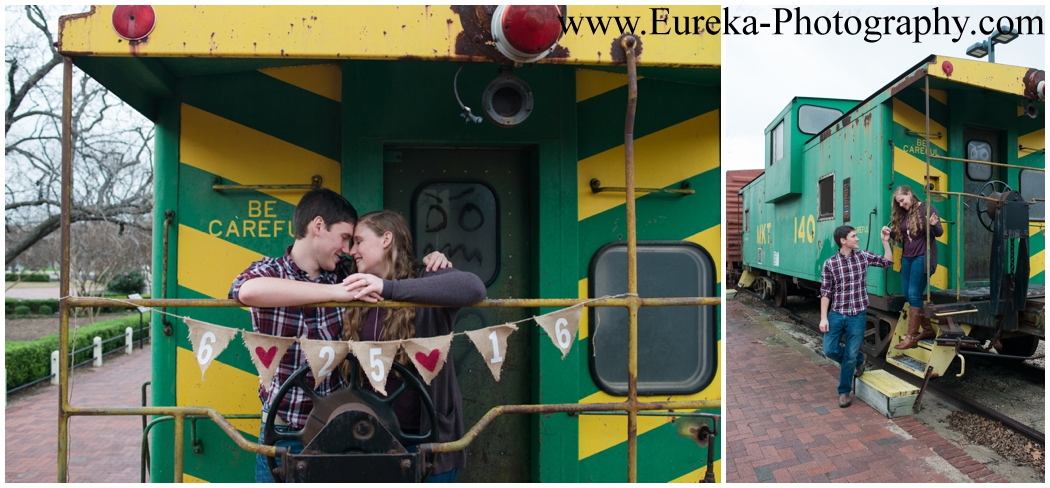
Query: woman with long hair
382, 249
908, 227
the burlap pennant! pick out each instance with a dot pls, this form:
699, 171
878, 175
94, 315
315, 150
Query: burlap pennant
324, 357
492, 344
561, 327
266, 351
208, 340
375, 359
428, 354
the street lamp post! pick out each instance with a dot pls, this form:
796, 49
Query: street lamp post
987, 47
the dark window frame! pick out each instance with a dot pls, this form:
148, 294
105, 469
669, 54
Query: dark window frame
773, 140
1038, 176
827, 181
970, 167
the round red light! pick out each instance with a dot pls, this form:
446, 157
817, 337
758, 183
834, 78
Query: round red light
526, 33
133, 22
947, 68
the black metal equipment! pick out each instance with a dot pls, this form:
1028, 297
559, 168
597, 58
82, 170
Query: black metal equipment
351, 435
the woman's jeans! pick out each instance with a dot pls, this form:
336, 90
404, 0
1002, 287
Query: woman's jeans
913, 280
848, 357
262, 466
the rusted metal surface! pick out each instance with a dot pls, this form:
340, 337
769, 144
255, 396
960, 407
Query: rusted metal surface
596, 187
315, 183
476, 38
494, 303
618, 51
63, 305
629, 42
169, 217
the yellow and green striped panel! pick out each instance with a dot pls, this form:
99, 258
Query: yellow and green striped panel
676, 140
1031, 142
235, 128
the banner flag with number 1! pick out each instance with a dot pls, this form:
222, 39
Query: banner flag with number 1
208, 340
561, 327
492, 344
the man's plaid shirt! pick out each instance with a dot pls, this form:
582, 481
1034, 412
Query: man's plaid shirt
844, 279
315, 323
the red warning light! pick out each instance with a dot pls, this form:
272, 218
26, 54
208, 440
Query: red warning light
947, 68
526, 33
134, 22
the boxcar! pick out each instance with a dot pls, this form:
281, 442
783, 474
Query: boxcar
253, 105
831, 162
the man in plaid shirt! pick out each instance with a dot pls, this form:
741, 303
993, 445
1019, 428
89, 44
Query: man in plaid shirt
312, 270
843, 285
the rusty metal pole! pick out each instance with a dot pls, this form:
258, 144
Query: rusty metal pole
628, 43
178, 441
63, 287
926, 259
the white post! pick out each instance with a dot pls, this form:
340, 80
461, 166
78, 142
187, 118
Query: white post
98, 352
54, 367
128, 341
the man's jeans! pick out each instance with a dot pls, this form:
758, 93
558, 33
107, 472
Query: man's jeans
262, 466
852, 326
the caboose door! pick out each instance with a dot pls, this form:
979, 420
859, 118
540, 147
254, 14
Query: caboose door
473, 205
979, 145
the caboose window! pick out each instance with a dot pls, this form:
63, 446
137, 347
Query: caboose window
462, 221
1032, 185
776, 143
979, 151
676, 345
813, 119
747, 220
826, 197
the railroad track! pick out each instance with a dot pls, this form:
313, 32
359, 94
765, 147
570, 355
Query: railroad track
966, 403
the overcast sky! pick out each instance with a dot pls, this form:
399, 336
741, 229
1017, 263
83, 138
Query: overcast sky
761, 73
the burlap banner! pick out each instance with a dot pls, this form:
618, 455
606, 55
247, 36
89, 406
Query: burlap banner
324, 357
375, 359
208, 340
561, 326
266, 351
492, 344
428, 354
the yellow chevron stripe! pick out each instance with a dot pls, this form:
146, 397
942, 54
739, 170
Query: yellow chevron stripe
911, 166
940, 275
711, 240
208, 264
695, 476
591, 83
670, 155
1037, 263
189, 478
939, 95
1031, 141
323, 79
601, 432
247, 156
224, 388
915, 121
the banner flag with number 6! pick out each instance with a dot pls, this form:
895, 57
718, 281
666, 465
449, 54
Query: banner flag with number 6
208, 340
561, 327
428, 354
267, 352
324, 357
492, 344
375, 359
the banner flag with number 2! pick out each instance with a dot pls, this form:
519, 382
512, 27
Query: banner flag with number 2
324, 357
492, 344
375, 359
208, 340
561, 327
267, 352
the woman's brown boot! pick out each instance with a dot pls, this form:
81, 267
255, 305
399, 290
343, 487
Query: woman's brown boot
927, 327
911, 340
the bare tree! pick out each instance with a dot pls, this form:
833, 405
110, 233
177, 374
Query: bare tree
112, 144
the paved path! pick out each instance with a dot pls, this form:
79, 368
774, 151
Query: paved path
102, 449
783, 422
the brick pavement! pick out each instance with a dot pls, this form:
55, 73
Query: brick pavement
783, 422
102, 449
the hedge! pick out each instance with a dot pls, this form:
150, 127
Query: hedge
29, 361
34, 305
27, 277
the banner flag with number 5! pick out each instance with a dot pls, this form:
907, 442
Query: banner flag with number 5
324, 357
561, 327
492, 344
208, 341
428, 354
375, 359
267, 352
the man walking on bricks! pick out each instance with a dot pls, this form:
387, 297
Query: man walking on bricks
843, 287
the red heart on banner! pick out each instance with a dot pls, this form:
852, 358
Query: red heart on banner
428, 361
266, 356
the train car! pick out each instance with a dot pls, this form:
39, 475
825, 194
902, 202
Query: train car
735, 180
524, 157
832, 162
